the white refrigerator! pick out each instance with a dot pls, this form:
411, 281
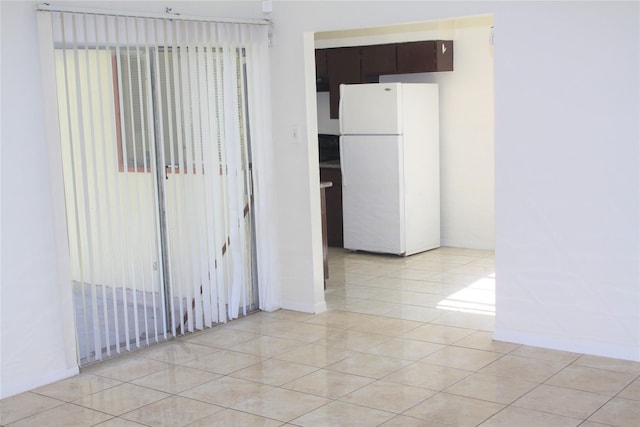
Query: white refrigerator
390, 157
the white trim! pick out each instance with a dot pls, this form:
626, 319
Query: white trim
597, 348
169, 14
304, 307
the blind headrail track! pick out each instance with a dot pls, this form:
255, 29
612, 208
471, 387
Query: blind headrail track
169, 14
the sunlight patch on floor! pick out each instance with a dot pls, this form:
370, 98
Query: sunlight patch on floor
477, 298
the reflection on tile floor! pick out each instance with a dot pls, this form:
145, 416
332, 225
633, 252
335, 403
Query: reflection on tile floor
406, 342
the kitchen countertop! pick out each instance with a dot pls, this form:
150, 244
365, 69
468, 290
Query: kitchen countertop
334, 164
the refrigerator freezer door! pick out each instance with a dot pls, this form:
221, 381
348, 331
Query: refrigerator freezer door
370, 109
372, 199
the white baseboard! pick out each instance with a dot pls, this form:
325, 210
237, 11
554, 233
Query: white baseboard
603, 349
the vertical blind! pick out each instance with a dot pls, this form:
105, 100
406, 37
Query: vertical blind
163, 124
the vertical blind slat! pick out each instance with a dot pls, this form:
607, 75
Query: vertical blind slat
153, 256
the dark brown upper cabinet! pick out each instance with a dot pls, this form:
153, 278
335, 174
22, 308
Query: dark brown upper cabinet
343, 65
321, 62
425, 56
365, 64
376, 60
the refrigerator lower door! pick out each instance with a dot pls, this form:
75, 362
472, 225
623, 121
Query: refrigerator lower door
372, 193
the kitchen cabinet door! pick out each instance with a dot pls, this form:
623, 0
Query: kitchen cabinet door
425, 56
376, 60
343, 66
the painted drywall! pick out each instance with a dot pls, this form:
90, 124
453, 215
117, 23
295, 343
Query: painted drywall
35, 348
466, 121
567, 161
567, 176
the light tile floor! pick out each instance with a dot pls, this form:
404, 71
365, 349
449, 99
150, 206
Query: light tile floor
406, 342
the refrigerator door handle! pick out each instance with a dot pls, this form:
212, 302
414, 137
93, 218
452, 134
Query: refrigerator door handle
343, 161
340, 116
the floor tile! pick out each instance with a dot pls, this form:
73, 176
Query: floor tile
562, 401
176, 352
618, 365
405, 349
372, 307
353, 291
232, 418
24, 405
483, 340
619, 412
256, 323
592, 379
296, 316
632, 391
280, 404
329, 384
524, 368
353, 340
337, 319
226, 391
411, 312
454, 410
485, 321
545, 354
224, 361
412, 274
388, 396
492, 388
343, 414
68, 415
386, 326
408, 342
119, 422
593, 424
273, 372
75, 387
369, 365
172, 411
314, 355
511, 416
266, 346
462, 358
404, 421
127, 368
347, 277
299, 331
408, 297
175, 379
427, 376
438, 334
220, 337
120, 399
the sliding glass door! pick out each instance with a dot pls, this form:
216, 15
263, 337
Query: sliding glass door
156, 158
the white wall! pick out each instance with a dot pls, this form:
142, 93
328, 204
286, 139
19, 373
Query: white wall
34, 347
567, 161
466, 121
567, 176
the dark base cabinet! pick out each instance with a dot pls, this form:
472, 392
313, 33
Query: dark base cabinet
333, 199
